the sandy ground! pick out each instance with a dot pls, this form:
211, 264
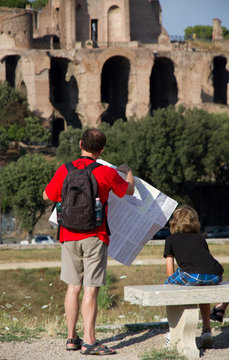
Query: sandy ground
129, 346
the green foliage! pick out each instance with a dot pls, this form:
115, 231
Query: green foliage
39, 4
22, 184
105, 299
4, 141
68, 148
35, 133
13, 106
14, 3
16, 133
225, 32
201, 32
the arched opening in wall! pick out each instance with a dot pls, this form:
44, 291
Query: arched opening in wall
57, 127
23, 88
220, 79
63, 92
114, 24
163, 84
114, 88
11, 67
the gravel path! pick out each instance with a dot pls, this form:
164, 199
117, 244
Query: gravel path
129, 346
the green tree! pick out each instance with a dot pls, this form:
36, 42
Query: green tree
4, 141
13, 106
21, 186
68, 148
35, 133
14, 3
176, 150
39, 4
202, 32
225, 32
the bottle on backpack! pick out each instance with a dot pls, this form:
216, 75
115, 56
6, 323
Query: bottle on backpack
99, 212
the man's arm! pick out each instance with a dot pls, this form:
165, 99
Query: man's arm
129, 178
169, 265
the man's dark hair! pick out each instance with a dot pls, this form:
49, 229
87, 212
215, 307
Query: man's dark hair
93, 140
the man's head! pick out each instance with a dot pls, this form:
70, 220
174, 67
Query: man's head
93, 141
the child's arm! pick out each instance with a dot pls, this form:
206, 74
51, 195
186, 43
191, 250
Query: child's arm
169, 265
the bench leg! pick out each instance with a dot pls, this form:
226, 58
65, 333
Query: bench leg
183, 321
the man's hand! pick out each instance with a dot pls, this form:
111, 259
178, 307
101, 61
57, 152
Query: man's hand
129, 178
124, 168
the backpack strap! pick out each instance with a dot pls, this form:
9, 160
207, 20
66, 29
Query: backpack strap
69, 165
93, 166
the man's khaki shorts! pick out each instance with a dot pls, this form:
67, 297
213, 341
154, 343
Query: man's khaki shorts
84, 262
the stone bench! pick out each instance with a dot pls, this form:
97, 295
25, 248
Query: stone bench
182, 309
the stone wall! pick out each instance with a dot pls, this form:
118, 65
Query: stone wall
16, 28
129, 73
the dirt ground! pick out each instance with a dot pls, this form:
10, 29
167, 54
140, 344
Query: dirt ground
129, 346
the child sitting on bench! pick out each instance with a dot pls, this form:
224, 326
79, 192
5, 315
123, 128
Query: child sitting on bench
197, 266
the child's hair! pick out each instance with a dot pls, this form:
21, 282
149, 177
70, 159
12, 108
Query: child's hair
184, 220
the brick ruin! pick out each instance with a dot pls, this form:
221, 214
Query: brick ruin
81, 62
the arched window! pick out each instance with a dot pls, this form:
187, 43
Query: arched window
163, 84
114, 24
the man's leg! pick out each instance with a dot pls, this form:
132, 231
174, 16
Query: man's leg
89, 313
72, 310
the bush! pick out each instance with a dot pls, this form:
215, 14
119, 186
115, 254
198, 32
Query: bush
4, 141
35, 133
13, 106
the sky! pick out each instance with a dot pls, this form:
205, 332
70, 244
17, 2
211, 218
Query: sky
179, 14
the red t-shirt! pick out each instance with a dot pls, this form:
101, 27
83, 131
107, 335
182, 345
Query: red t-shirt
107, 178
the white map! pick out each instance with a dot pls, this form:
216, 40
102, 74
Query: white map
133, 220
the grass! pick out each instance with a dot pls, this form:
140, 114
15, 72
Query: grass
53, 254
163, 355
29, 255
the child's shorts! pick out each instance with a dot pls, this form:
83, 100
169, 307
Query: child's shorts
183, 278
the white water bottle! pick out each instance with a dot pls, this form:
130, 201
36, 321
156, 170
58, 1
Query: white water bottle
98, 212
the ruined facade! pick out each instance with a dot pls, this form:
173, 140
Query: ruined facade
81, 62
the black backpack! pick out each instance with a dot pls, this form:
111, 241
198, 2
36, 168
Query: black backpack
78, 198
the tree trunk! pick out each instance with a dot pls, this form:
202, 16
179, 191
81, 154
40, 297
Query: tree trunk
29, 236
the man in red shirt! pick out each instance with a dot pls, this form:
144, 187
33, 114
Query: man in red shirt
84, 255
